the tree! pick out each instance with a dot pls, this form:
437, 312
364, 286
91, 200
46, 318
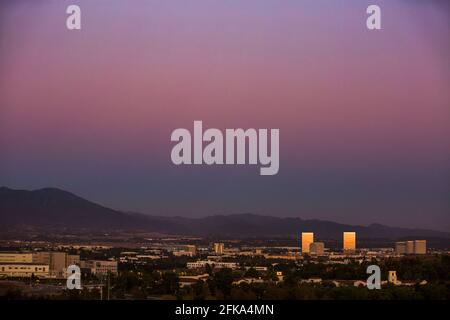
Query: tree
224, 280
170, 282
200, 290
252, 273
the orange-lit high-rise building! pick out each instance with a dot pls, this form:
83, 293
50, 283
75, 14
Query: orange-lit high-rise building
307, 239
349, 241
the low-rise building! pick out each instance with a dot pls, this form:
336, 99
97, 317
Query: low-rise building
73, 259
191, 248
57, 261
190, 280
248, 281
283, 257
219, 247
16, 257
24, 270
100, 267
181, 253
400, 247
257, 268
317, 248
215, 264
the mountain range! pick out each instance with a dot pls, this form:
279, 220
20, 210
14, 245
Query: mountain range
54, 209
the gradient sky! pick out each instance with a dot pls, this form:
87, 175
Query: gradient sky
364, 116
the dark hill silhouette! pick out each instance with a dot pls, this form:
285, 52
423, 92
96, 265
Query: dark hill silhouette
55, 209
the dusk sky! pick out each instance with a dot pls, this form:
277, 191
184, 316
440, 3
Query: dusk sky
364, 116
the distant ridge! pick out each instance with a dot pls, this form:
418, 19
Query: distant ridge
59, 210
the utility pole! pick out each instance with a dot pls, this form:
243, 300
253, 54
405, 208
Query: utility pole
101, 288
108, 285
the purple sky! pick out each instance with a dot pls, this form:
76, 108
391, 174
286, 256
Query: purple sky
364, 116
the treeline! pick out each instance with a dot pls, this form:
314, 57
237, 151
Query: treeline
145, 282
272, 291
415, 268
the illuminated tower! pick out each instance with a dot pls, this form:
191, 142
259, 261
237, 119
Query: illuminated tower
218, 248
420, 246
349, 241
410, 247
307, 239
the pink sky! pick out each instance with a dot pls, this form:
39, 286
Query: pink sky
363, 115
